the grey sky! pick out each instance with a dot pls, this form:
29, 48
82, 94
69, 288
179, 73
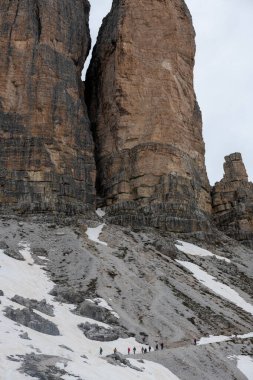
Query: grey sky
223, 75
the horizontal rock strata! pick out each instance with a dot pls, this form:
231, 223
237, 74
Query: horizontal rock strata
145, 118
232, 200
46, 161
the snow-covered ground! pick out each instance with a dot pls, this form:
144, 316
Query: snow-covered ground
93, 233
28, 280
245, 365
222, 338
216, 286
191, 249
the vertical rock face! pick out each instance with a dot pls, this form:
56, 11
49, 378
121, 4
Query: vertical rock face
145, 118
232, 200
46, 161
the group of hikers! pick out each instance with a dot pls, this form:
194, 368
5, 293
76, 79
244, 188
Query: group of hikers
144, 350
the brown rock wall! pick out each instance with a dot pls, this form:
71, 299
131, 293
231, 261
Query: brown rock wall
232, 200
46, 161
145, 118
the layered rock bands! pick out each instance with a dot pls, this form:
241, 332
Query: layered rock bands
232, 200
145, 118
46, 161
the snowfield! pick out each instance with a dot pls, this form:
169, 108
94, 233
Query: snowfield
28, 280
93, 233
194, 250
216, 286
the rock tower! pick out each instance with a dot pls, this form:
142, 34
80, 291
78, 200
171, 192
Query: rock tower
46, 161
232, 200
145, 118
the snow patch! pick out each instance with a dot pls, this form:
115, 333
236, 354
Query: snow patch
222, 338
194, 250
216, 286
93, 234
245, 365
100, 212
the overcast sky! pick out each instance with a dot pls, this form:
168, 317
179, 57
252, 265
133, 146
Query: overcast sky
223, 76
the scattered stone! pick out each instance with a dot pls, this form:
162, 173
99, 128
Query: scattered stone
37, 251
41, 306
12, 358
1, 293
44, 367
99, 333
24, 336
65, 347
28, 318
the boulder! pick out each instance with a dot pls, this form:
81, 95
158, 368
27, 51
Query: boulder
41, 306
91, 310
99, 333
28, 318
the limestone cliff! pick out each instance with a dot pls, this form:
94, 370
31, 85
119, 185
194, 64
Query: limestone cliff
46, 161
145, 118
232, 200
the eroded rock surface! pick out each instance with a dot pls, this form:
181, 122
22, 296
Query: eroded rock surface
28, 318
41, 306
93, 311
232, 199
99, 333
46, 161
145, 117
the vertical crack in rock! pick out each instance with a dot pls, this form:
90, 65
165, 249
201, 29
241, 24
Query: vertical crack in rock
47, 160
145, 119
38, 21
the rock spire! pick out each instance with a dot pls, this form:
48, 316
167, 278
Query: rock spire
145, 118
232, 200
46, 161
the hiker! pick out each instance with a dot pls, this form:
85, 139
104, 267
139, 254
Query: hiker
100, 350
128, 350
162, 346
195, 341
145, 350
149, 348
142, 350
134, 350
156, 347
115, 350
